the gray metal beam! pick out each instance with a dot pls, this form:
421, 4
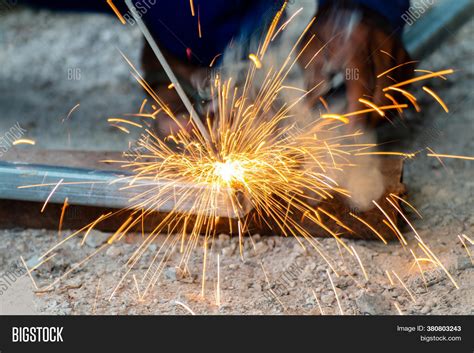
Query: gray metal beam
89, 187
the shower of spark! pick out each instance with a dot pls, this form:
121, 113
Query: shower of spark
259, 158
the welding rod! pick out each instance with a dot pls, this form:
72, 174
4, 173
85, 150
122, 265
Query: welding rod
174, 80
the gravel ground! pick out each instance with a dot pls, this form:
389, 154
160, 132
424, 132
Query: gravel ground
37, 92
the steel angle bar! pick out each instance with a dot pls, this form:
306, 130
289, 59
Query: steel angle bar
110, 189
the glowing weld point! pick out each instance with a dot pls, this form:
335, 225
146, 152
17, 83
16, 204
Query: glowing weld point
229, 171
256, 61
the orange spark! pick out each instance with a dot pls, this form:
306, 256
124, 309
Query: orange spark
94, 307
386, 107
406, 203
339, 117
468, 239
465, 247
24, 142
394, 101
424, 247
391, 222
203, 282
283, 26
125, 121
184, 305
335, 293
430, 72
214, 59
389, 277
387, 53
324, 103
370, 227
116, 11
28, 271
256, 61
395, 67
420, 78
70, 112
408, 155
398, 308
121, 128
409, 96
51, 194
317, 302
199, 23
143, 106
63, 211
218, 286
372, 105
405, 287
360, 263
419, 268
437, 155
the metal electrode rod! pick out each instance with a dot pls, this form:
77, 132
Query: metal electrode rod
169, 72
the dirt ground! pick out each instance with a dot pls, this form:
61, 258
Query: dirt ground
45, 71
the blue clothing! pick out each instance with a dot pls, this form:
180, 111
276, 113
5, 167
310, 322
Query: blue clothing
173, 26
221, 21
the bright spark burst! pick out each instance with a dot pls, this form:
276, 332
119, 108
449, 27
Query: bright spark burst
255, 158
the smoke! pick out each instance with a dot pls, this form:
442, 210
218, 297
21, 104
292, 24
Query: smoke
364, 181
